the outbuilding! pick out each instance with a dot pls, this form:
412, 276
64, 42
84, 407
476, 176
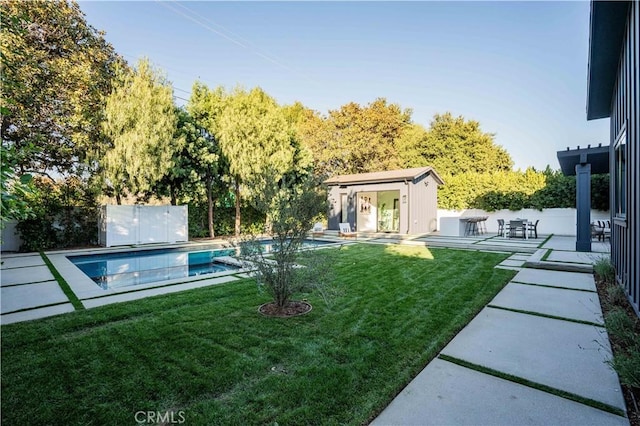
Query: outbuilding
398, 201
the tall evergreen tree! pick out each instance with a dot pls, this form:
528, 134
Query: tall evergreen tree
255, 137
140, 122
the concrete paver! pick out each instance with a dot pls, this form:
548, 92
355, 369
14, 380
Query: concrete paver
575, 257
36, 313
27, 296
568, 243
523, 257
448, 394
575, 280
25, 275
509, 262
561, 354
21, 261
576, 305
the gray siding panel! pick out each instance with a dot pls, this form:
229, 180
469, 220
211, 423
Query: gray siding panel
625, 114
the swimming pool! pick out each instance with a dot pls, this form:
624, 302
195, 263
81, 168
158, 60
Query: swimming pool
130, 268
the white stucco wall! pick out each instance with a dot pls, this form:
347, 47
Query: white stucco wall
552, 221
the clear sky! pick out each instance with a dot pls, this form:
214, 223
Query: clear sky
519, 68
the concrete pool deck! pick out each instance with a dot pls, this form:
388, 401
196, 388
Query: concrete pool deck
30, 291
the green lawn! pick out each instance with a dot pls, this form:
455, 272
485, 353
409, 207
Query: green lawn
209, 354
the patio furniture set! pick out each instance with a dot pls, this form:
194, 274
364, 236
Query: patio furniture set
519, 228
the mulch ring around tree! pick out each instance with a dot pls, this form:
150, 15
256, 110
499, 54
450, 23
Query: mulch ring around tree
291, 309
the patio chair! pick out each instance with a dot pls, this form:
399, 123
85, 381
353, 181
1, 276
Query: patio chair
482, 224
317, 229
516, 227
533, 229
345, 231
597, 231
501, 227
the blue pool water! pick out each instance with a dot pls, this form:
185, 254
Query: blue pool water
123, 269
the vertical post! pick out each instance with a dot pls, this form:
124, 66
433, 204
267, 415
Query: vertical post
583, 206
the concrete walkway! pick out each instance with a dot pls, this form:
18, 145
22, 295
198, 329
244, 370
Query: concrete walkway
535, 355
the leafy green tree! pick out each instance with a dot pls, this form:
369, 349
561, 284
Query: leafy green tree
254, 136
14, 190
198, 169
453, 146
411, 147
356, 139
64, 213
312, 134
56, 71
490, 191
140, 123
209, 163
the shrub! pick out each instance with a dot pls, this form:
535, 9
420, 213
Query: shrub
604, 270
624, 330
223, 221
64, 214
291, 209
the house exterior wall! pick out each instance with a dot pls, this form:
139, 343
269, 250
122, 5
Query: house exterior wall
625, 118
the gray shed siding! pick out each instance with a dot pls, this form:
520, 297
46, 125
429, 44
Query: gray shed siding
625, 116
424, 205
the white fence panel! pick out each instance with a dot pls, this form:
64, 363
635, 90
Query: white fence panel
177, 229
127, 225
153, 224
122, 225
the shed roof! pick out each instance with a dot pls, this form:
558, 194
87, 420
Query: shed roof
608, 24
385, 177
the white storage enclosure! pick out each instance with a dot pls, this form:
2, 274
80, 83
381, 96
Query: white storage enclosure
126, 225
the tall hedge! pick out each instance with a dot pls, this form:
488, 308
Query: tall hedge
515, 190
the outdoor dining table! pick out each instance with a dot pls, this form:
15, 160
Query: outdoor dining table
525, 227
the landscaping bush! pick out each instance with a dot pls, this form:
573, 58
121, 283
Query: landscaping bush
64, 214
604, 270
223, 221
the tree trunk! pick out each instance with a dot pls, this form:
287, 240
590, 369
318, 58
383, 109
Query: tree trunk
210, 203
237, 206
118, 198
172, 190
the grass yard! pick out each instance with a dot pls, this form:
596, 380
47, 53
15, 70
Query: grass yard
209, 354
